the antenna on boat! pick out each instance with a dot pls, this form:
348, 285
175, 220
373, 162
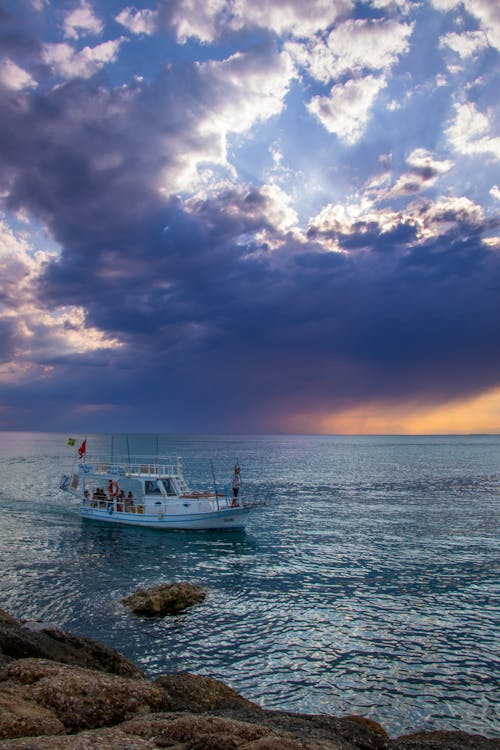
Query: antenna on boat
215, 483
213, 475
112, 447
157, 450
128, 451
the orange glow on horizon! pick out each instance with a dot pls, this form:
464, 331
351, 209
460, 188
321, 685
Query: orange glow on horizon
480, 414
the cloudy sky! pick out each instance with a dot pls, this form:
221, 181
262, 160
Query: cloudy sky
250, 215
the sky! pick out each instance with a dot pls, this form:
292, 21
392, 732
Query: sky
250, 216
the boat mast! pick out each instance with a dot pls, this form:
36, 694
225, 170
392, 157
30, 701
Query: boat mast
128, 452
215, 484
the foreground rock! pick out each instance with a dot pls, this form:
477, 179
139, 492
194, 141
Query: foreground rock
444, 741
49, 705
165, 599
189, 692
22, 718
82, 698
24, 640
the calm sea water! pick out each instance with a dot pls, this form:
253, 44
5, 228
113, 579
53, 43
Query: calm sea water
368, 583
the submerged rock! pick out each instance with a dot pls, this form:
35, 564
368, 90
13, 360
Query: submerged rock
165, 599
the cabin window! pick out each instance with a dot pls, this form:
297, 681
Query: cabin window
169, 489
151, 487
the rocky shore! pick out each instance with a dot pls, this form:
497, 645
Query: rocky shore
62, 692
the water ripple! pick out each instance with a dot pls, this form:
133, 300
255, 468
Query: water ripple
368, 584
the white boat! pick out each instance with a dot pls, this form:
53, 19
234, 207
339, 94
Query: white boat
150, 493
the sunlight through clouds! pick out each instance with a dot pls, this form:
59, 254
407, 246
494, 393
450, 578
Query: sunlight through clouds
35, 334
295, 202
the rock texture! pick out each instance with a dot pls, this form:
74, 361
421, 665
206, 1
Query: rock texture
82, 698
443, 741
189, 692
55, 704
22, 718
165, 599
19, 642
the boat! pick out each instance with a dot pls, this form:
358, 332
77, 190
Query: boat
150, 493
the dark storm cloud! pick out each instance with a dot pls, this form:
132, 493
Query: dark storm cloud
227, 321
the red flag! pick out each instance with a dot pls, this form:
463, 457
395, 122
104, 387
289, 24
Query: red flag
82, 449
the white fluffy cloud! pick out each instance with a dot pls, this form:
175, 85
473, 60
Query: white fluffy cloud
470, 132
254, 91
424, 171
138, 21
246, 89
487, 12
204, 19
38, 332
71, 63
291, 16
429, 218
15, 78
81, 21
346, 111
465, 44
353, 47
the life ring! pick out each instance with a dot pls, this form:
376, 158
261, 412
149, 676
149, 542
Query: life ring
113, 488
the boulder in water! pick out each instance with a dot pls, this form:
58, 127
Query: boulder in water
165, 599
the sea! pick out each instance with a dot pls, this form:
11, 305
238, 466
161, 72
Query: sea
366, 582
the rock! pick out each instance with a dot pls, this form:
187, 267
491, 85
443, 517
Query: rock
22, 718
99, 739
165, 599
83, 698
114, 707
195, 693
371, 726
21, 642
201, 732
325, 731
7, 619
38, 626
450, 740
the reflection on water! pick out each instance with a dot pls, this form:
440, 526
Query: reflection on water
366, 585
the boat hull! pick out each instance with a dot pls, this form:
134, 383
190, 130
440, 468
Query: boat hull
227, 518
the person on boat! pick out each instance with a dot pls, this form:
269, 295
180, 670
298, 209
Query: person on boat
236, 481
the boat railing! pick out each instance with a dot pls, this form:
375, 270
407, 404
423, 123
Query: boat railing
139, 465
112, 506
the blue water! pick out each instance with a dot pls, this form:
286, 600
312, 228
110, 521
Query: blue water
367, 584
